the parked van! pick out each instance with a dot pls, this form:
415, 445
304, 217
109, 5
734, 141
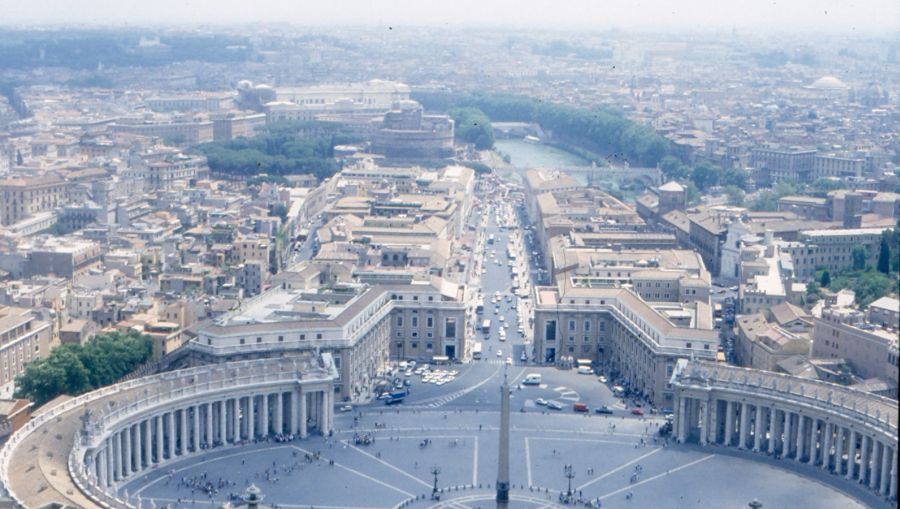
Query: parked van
532, 379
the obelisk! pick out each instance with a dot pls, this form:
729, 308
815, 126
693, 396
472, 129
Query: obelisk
503, 460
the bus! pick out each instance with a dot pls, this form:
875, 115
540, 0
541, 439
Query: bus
491, 239
479, 305
486, 326
476, 351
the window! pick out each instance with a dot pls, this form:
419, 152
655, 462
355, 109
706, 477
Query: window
428, 347
280, 338
587, 326
318, 335
242, 341
450, 328
415, 334
550, 330
302, 337
429, 322
415, 321
602, 326
399, 321
587, 339
571, 325
687, 345
414, 345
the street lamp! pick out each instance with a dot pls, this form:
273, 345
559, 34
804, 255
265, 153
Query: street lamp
569, 472
435, 470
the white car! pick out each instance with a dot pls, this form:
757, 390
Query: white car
499, 353
509, 361
541, 402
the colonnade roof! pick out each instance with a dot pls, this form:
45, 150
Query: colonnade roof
852, 403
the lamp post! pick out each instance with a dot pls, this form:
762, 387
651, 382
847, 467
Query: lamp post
435, 470
569, 472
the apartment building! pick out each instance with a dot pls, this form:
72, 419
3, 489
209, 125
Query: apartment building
24, 197
24, 337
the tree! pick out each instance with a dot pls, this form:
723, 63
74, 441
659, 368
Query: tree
735, 195
859, 256
884, 255
473, 126
673, 169
76, 369
705, 176
826, 279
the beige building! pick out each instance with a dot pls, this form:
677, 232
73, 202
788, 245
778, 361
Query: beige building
23, 197
844, 332
761, 344
24, 337
632, 341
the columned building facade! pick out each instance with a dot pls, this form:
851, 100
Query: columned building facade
126, 429
849, 433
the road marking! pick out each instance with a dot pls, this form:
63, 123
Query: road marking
300, 506
613, 471
593, 440
528, 461
357, 472
385, 463
655, 477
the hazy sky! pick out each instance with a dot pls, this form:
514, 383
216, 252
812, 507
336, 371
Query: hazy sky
860, 16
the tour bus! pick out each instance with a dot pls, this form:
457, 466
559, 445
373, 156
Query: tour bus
486, 326
476, 351
532, 379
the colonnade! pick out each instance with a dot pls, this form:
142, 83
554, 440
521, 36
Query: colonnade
853, 450
176, 430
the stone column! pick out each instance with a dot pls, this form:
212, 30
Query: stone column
100, 467
743, 436
801, 436
826, 446
140, 446
171, 419
704, 414
892, 492
682, 419
329, 409
209, 424
851, 453
885, 469
110, 462
159, 438
712, 411
223, 421
251, 417
839, 450
264, 416
729, 421
302, 416
195, 410
759, 428
775, 431
236, 420
148, 444
864, 459
278, 421
877, 452
786, 452
293, 404
813, 440
185, 435
117, 455
126, 433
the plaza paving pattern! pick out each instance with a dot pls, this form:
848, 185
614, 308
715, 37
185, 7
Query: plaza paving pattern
396, 469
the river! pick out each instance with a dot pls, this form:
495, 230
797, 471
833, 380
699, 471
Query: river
537, 155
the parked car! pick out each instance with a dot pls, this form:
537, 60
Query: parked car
541, 402
554, 405
603, 410
637, 411
580, 407
347, 408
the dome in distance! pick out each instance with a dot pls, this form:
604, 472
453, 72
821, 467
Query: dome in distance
829, 83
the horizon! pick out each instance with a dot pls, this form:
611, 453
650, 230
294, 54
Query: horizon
861, 18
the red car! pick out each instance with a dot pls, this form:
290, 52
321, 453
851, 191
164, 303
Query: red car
637, 411
580, 407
